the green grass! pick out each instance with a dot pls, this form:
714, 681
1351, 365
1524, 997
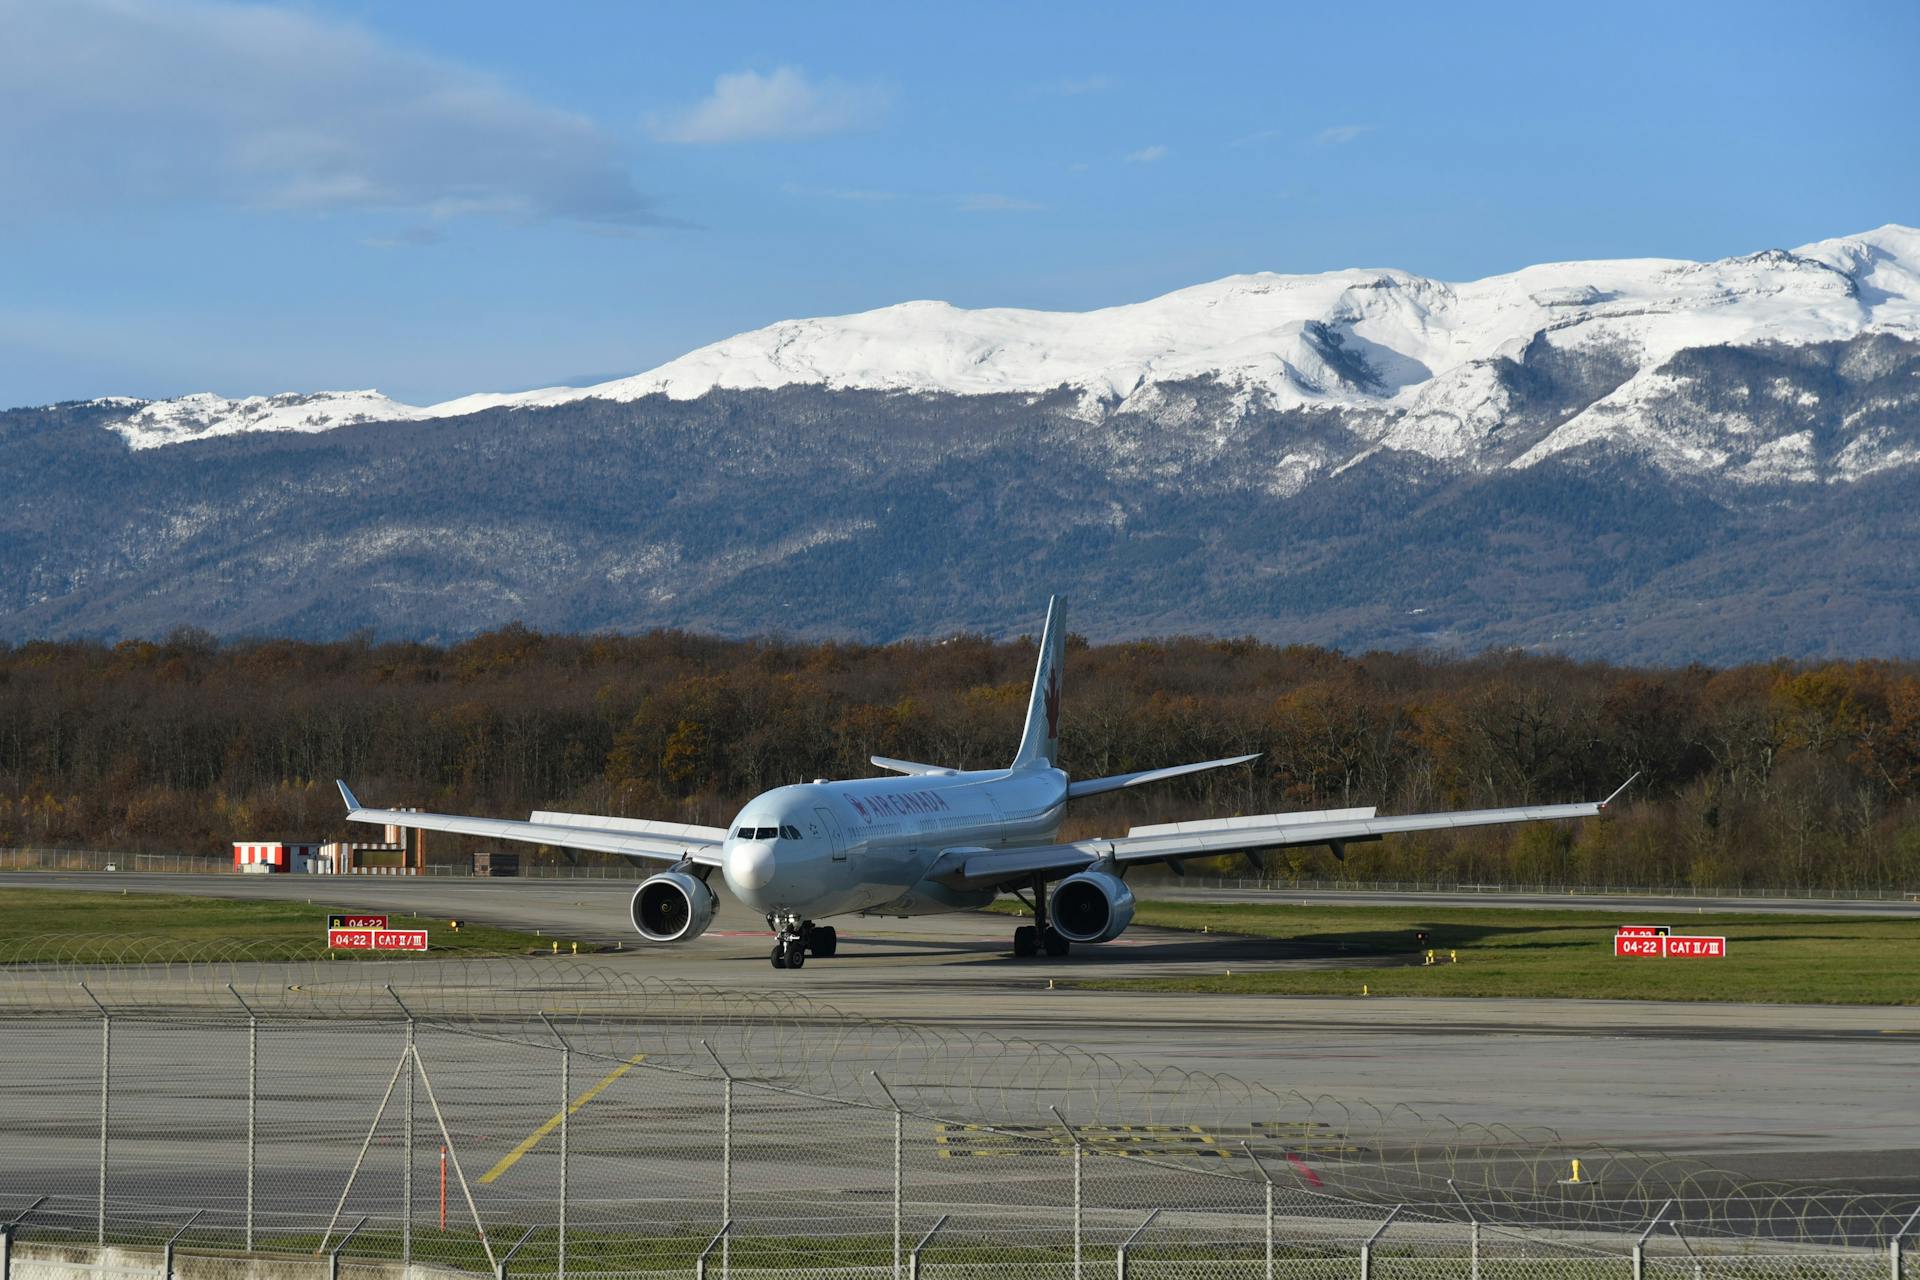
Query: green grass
98, 927
1510, 952
607, 1251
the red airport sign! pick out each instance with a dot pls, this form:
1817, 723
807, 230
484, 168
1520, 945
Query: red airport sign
377, 939
356, 922
1669, 946
1643, 930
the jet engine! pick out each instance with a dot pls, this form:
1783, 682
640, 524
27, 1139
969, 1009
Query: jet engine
672, 907
1093, 906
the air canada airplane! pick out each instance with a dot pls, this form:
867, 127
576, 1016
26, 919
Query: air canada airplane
933, 839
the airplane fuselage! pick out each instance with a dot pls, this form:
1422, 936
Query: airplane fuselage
825, 848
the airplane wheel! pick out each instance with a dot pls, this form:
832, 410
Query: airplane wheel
823, 941
1026, 941
796, 954
780, 955
1057, 945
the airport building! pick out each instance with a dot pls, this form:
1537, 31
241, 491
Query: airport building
402, 853
274, 855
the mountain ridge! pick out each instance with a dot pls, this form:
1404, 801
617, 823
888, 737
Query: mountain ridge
1379, 340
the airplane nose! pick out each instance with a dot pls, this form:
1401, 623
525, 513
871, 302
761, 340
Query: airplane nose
750, 865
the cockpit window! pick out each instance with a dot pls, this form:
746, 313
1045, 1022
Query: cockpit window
767, 833
744, 833
791, 833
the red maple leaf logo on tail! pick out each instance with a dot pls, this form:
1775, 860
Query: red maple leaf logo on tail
1051, 703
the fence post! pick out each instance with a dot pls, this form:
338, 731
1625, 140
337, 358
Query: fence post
166, 1250
253, 1095
333, 1258
899, 1138
566, 1110
913, 1259
1120, 1254
466, 1191
724, 1240
500, 1267
1366, 1246
106, 1072
406, 1141
6, 1237
1893, 1245
1640, 1245
1078, 1149
1474, 1234
1268, 1179
700, 1263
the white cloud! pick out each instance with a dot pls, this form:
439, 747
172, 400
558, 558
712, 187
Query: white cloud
746, 106
111, 103
1082, 85
410, 238
987, 203
854, 195
1262, 135
1341, 133
1147, 155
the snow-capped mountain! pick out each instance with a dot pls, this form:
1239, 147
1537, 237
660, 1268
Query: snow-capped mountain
1654, 460
1417, 365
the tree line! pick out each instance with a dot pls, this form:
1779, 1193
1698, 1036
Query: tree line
1781, 776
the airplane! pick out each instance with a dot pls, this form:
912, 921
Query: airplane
932, 839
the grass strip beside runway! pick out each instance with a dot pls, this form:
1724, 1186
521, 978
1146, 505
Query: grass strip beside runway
86, 926
1515, 953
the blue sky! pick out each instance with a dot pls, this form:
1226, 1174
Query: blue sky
437, 198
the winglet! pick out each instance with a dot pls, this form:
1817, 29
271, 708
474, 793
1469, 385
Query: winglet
1617, 790
353, 803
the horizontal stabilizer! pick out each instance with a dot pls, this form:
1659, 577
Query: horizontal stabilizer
1094, 786
907, 767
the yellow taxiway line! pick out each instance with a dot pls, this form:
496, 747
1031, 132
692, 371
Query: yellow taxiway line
533, 1139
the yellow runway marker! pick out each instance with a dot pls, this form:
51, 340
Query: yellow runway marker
533, 1139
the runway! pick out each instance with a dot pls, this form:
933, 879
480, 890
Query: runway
1808, 1092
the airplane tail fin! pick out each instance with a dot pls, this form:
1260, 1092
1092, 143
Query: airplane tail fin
1040, 744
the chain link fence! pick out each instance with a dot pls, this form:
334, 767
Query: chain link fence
562, 1119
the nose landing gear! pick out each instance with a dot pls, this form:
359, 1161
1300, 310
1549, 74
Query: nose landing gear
795, 938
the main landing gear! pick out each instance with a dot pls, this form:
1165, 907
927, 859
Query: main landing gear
795, 938
1031, 939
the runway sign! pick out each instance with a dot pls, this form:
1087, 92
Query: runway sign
1643, 930
1669, 946
356, 922
377, 939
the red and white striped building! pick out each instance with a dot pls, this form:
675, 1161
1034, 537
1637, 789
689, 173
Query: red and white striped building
273, 855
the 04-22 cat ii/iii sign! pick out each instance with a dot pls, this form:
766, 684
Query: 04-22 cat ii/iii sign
1658, 941
376, 939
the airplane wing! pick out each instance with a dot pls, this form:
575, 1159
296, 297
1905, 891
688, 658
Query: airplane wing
629, 837
1177, 840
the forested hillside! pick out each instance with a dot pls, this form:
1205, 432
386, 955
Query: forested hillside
1776, 775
